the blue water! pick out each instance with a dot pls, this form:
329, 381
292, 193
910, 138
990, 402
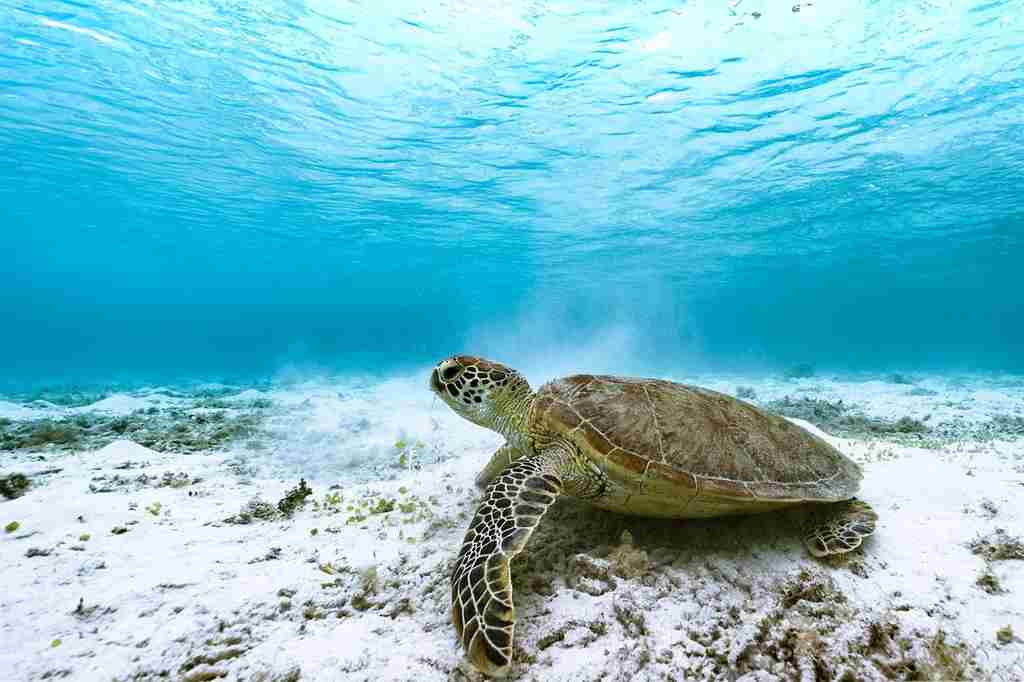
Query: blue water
224, 189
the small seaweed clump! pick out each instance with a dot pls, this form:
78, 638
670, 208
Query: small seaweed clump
295, 498
997, 546
383, 506
901, 425
746, 393
254, 510
258, 510
989, 582
13, 485
178, 479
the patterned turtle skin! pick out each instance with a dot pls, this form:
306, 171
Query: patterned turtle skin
638, 446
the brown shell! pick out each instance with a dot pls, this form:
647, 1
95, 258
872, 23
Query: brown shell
694, 438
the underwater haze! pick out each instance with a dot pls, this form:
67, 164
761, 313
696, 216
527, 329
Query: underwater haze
236, 235
225, 189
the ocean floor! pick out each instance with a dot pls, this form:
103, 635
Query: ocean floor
169, 534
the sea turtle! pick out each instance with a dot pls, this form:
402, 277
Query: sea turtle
639, 446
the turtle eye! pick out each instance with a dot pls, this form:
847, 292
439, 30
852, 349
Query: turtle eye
450, 373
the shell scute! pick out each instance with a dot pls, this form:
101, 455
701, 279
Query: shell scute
628, 462
664, 472
717, 487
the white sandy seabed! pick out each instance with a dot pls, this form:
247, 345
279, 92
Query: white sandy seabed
354, 586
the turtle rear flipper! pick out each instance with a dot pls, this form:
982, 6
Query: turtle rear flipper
841, 528
482, 609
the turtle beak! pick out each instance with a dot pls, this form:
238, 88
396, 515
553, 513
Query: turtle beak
435, 382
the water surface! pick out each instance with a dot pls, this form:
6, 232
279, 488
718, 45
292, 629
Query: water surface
221, 190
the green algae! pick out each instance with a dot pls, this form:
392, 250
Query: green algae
13, 485
383, 506
409, 453
254, 510
211, 659
997, 546
163, 430
64, 432
841, 419
258, 510
989, 582
295, 498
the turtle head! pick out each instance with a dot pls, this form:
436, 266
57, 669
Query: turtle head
486, 393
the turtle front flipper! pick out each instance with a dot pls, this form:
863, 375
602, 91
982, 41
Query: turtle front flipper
500, 460
843, 528
482, 609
